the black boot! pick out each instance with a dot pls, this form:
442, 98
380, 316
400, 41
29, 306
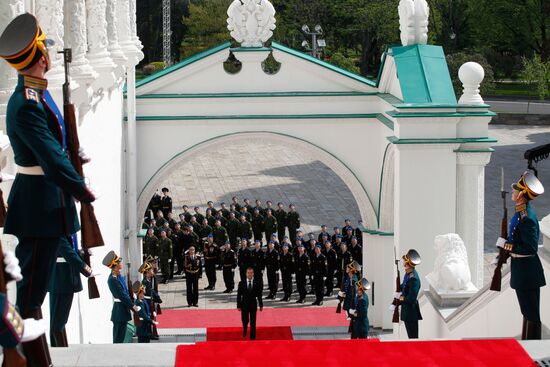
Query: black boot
534, 330
524, 329
36, 351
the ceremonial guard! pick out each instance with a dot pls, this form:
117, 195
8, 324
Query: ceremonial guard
330, 255
150, 244
178, 246
244, 258
270, 225
318, 269
165, 256
410, 309
166, 202
280, 215
46, 183
229, 264
144, 328
233, 228
287, 268
527, 274
258, 261
258, 225
302, 266
348, 286
272, 265
249, 298
122, 305
292, 222
193, 269
344, 259
65, 282
359, 315
356, 250
151, 294
155, 203
211, 258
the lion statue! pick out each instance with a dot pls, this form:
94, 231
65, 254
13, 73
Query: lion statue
451, 271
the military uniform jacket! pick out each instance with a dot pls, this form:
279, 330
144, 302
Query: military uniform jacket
123, 304
344, 259
270, 225
193, 267
287, 262
293, 220
150, 292
220, 236
205, 231
524, 232
319, 265
165, 248
166, 203
211, 220
410, 309
258, 259
212, 254
66, 276
301, 264
145, 317
244, 257
258, 223
36, 135
356, 253
232, 227
229, 259
331, 258
272, 260
280, 214
245, 230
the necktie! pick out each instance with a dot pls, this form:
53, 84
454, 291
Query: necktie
249, 285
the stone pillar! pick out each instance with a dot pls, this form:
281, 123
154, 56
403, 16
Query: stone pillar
133, 25
50, 16
112, 33
77, 39
470, 208
96, 25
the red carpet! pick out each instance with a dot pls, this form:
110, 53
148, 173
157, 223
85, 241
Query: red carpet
286, 353
236, 333
307, 316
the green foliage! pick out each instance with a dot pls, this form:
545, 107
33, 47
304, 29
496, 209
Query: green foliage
344, 62
456, 60
536, 72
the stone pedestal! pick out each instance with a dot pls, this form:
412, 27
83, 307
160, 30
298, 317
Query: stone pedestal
447, 298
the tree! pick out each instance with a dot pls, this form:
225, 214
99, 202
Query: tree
537, 72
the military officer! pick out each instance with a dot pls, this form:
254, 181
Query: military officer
302, 268
193, 270
65, 282
223, 221
270, 225
220, 234
160, 219
232, 227
318, 269
280, 215
205, 230
235, 203
348, 235
330, 255
269, 206
246, 213
347, 226
186, 214
343, 258
276, 244
213, 211
259, 207
165, 256
171, 221
257, 226
527, 274
224, 210
244, 258
258, 261
198, 216
122, 305
356, 250
292, 222
337, 234
287, 268
211, 219
229, 264
245, 229
324, 231
166, 202
144, 330
272, 266
211, 258
410, 309
179, 237
46, 183
249, 208
359, 315
151, 294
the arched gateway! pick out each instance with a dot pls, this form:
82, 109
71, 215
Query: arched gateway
413, 157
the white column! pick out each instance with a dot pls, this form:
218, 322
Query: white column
112, 34
50, 16
470, 208
77, 39
133, 25
96, 25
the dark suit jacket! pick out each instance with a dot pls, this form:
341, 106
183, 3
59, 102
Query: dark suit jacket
249, 300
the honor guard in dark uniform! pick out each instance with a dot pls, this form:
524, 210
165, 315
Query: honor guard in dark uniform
330, 255
165, 256
310, 251
210, 205
144, 330
245, 228
205, 230
319, 270
232, 227
259, 208
46, 183
287, 268
272, 266
193, 270
258, 225
155, 204
220, 234
348, 285
270, 225
224, 210
235, 203
211, 258
343, 259
179, 237
356, 250
229, 261
211, 219
166, 202
186, 213
410, 309
258, 261
359, 315
302, 268
280, 215
249, 208
151, 295
198, 215
65, 282
527, 273
292, 222
122, 305
244, 258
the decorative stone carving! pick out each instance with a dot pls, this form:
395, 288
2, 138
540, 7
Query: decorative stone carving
471, 75
133, 27
97, 35
127, 43
451, 271
251, 22
112, 34
413, 22
50, 16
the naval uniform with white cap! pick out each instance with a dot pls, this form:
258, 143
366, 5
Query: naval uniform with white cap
46, 183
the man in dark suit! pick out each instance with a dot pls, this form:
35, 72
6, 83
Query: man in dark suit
249, 297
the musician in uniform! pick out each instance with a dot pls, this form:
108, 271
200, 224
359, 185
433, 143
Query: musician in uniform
527, 273
272, 265
410, 309
46, 183
122, 305
229, 261
193, 270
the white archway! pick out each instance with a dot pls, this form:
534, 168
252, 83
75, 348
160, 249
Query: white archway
366, 208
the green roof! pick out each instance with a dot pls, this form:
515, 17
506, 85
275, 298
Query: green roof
423, 74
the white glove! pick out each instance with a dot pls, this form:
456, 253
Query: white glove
169, 260
12, 266
94, 274
351, 311
396, 295
84, 157
137, 308
155, 322
154, 314
341, 294
392, 308
501, 242
354, 313
33, 329
5, 177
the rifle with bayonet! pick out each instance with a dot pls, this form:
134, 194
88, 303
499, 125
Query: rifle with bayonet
340, 298
137, 320
396, 301
502, 254
91, 234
